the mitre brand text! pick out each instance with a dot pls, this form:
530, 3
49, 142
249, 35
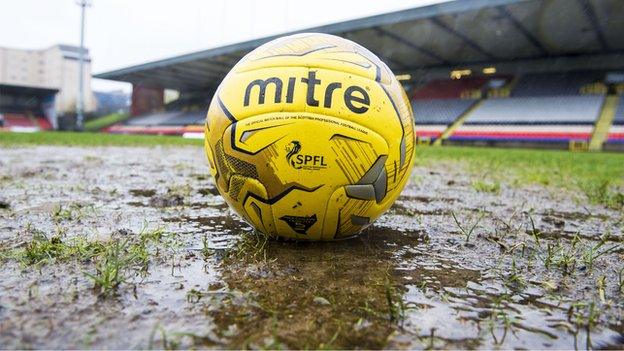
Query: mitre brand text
355, 98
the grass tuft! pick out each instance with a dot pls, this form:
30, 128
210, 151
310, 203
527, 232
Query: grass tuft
486, 187
465, 231
113, 267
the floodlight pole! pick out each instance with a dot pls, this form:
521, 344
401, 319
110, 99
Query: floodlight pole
80, 100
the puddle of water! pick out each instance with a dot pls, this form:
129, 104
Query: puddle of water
311, 295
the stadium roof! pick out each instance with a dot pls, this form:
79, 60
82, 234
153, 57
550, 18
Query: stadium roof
25, 89
437, 37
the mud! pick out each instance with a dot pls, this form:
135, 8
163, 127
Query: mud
447, 267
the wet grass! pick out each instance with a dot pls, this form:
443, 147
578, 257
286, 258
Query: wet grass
468, 230
71, 212
113, 261
114, 265
91, 139
600, 176
309, 295
44, 249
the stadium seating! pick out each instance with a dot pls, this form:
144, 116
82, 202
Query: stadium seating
523, 133
616, 135
579, 109
152, 119
553, 84
433, 116
161, 123
448, 88
439, 111
616, 132
619, 113
24, 123
558, 119
187, 118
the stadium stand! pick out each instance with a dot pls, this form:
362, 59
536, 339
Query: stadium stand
449, 88
152, 119
619, 113
161, 123
522, 134
542, 108
615, 137
553, 84
433, 116
546, 119
579, 109
187, 118
23, 123
439, 111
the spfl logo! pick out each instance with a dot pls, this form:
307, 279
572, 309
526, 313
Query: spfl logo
303, 161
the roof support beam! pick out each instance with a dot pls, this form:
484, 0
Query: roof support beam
461, 36
411, 44
502, 10
161, 81
538, 64
196, 70
588, 9
207, 67
180, 74
390, 61
225, 65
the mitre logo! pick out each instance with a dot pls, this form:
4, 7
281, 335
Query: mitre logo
354, 97
303, 161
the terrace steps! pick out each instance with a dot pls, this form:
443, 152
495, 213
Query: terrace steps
603, 124
457, 123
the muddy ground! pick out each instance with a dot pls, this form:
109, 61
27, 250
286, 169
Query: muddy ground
133, 248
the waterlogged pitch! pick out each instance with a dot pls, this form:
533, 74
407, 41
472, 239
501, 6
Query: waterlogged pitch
131, 247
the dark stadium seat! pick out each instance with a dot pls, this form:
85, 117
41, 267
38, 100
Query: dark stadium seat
579, 109
616, 132
619, 113
546, 119
553, 84
186, 118
152, 119
449, 88
439, 111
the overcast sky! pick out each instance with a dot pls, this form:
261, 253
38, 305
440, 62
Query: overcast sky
120, 33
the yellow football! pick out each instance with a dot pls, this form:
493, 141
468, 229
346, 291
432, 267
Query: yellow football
310, 137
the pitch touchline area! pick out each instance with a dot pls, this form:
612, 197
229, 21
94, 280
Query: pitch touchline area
113, 241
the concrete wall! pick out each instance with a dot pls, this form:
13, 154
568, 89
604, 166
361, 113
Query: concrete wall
55, 67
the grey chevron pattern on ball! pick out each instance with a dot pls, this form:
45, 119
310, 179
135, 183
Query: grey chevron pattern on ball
373, 185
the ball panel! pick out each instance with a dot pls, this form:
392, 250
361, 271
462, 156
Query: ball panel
316, 50
298, 171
